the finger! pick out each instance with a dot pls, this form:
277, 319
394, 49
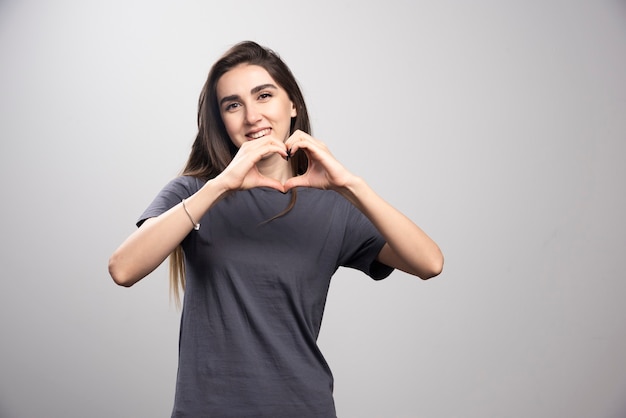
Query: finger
296, 139
257, 151
263, 142
274, 145
306, 142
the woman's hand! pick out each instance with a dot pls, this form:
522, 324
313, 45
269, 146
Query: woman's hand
324, 171
408, 248
242, 173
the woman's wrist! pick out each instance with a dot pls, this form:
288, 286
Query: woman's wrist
217, 186
200, 202
354, 190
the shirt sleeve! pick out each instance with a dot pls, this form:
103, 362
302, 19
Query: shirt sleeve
361, 244
172, 194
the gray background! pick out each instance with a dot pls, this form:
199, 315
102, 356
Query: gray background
498, 126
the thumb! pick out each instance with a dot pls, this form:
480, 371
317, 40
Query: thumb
295, 182
274, 184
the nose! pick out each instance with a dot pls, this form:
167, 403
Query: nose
253, 115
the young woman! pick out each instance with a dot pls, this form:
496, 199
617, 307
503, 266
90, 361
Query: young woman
260, 220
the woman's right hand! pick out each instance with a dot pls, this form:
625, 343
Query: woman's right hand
148, 246
242, 172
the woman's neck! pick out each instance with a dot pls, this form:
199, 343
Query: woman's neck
275, 167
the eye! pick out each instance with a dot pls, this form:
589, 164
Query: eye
232, 106
265, 96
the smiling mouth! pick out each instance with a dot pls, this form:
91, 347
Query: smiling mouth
259, 134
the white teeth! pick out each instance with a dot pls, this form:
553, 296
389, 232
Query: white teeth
259, 134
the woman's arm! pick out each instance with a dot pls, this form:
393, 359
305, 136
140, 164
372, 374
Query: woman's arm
408, 248
146, 248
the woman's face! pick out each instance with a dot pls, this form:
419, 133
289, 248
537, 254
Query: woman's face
253, 105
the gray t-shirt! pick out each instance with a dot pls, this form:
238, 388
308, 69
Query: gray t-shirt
254, 299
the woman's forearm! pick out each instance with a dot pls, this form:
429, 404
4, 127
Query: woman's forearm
147, 247
408, 247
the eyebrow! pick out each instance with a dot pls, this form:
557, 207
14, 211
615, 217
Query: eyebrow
256, 89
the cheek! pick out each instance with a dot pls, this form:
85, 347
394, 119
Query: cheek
230, 123
232, 128
287, 114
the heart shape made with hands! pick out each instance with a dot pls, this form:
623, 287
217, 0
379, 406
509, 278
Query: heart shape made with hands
314, 165
302, 178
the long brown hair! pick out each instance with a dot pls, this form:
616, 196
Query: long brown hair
213, 149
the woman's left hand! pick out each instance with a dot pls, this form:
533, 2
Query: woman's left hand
324, 171
408, 248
